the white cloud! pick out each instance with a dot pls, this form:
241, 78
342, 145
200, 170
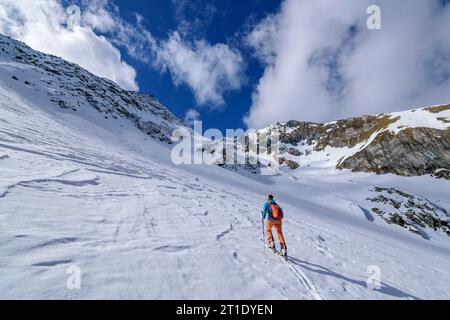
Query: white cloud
209, 70
90, 37
101, 15
322, 63
262, 39
191, 116
49, 27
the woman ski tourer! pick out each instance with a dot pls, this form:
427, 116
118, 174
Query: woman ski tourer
274, 214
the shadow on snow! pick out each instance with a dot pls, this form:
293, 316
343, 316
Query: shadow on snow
384, 288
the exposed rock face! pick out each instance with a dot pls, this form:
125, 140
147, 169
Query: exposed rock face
442, 174
74, 88
410, 152
290, 163
414, 213
294, 152
300, 132
408, 143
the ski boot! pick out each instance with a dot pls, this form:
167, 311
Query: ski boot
271, 246
283, 251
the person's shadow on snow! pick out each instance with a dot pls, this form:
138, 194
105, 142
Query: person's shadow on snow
384, 288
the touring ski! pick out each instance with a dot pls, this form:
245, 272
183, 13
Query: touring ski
274, 251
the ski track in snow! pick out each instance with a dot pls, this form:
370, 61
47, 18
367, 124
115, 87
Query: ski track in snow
299, 274
140, 227
304, 280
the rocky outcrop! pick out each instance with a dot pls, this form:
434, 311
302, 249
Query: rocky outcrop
411, 212
442, 174
294, 152
290, 163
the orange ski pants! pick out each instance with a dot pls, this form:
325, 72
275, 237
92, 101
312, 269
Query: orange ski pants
278, 228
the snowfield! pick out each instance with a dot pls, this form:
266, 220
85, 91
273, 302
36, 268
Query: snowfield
78, 189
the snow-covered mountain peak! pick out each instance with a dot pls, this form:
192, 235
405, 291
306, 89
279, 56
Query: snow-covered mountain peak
413, 142
71, 87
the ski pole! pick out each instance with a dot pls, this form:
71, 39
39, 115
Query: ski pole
264, 235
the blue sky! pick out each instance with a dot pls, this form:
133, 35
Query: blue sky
247, 64
229, 19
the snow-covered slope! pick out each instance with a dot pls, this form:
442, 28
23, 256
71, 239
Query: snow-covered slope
77, 189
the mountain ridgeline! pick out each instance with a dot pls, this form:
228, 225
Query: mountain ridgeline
68, 86
408, 143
